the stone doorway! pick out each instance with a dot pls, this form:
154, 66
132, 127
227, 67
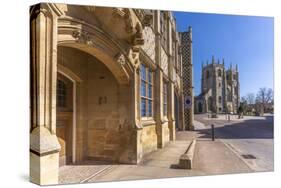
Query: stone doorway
65, 115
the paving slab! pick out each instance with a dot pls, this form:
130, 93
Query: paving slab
213, 157
210, 158
79, 172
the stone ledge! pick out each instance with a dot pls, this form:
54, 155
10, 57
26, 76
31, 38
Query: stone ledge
186, 159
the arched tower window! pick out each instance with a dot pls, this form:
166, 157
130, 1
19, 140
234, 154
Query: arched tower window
207, 74
219, 73
220, 101
228, 94
61, 94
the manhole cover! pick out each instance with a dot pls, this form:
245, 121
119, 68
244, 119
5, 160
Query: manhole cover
248, 156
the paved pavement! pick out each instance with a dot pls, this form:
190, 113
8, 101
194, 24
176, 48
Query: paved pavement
248, 136
210, 158
81, 172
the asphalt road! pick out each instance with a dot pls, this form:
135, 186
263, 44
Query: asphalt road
252, 136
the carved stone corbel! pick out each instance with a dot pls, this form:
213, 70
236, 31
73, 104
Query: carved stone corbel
83, 37
138, 37
147, 20
128, 21
118, 12
120, 58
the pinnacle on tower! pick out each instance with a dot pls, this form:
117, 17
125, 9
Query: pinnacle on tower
190, 32
236, 67
213, 59
223, 61
231, 66
218, 61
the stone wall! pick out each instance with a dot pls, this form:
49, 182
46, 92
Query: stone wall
149, 139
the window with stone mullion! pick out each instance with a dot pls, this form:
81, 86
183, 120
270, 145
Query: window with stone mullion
146, 92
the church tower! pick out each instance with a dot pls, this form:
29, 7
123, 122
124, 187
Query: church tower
220, 88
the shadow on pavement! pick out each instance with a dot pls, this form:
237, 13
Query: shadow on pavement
248, 129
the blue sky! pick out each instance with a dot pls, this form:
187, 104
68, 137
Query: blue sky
243, 40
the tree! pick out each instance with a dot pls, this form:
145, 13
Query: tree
250, 98
264, 97
248, 102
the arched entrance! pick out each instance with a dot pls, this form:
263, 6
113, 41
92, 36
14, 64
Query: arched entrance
105, 112
102, 109
210, 104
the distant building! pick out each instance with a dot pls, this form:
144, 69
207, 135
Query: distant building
220, 89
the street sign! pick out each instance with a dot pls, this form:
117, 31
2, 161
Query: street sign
188, 102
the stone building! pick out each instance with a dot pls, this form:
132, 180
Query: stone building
220, 89
187, 68
106, 84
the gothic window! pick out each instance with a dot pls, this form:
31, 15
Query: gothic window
219, 73
227, 77
61, 94
165, 97
228, 95
146, 90
236, 90
220, 99
219, 84
207, 74
234, 77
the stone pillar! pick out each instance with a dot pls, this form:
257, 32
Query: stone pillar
171, 111
137, 115
171, 63
159, 107
44, 145
158, 100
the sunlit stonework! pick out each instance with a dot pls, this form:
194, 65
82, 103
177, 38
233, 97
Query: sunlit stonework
105, 85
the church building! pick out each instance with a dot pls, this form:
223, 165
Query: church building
220, 89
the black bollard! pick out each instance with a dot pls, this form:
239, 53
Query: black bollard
213, 132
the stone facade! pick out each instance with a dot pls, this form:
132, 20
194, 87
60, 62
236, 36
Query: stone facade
106, 84
220, 89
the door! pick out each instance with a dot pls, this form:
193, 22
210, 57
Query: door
64, 118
